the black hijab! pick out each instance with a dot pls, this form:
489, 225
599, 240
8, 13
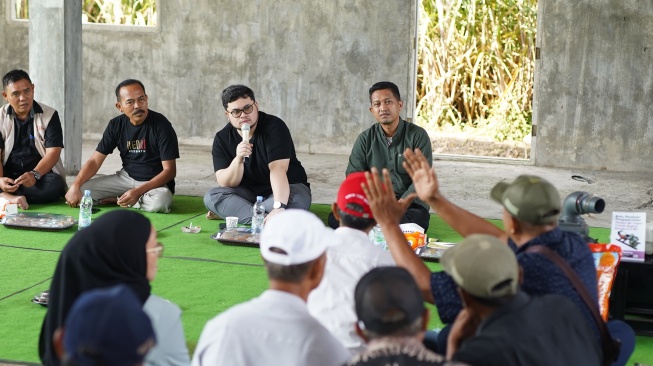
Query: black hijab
110, 251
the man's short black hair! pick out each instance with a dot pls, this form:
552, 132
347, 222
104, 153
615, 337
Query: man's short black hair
14, 76
354, 222
235, 92
383, 85
125, 83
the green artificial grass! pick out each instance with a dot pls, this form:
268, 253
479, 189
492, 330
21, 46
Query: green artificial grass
204, 277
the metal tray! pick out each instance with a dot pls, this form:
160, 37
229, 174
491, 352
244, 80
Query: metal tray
38, 221
433, 252
240, 236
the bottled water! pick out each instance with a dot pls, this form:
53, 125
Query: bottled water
377, 238
85, 210
258, 215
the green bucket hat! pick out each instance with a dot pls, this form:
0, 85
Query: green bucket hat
529, 199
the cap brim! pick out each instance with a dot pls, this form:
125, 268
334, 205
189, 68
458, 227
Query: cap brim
448, 258
498, 191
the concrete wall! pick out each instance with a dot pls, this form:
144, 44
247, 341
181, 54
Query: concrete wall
594, 85
309, 62
14, 37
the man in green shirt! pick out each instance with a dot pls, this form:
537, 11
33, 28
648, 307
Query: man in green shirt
382, 146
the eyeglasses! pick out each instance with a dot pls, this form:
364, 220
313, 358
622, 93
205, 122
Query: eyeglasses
158, 250
249, 108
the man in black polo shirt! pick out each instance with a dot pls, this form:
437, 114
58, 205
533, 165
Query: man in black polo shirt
31, 144
266, 165
148, 149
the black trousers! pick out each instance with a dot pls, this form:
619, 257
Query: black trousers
49, 188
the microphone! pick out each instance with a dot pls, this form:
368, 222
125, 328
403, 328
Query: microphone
245, 130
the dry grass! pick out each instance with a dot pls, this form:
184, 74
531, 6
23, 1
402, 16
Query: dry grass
128, 12
476, 61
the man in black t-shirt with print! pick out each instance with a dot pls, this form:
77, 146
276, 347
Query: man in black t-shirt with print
271, 169
148, 149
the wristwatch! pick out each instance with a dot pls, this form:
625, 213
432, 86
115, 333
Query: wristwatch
278, 204
37, 175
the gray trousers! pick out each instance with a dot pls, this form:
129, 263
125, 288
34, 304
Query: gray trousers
155, 200
238, 201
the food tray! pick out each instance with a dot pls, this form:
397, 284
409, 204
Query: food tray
240, 236
38, 221
433, 252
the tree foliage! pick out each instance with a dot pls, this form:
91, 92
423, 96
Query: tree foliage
128, 12
475, 65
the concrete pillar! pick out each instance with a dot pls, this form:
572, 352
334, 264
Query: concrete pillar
55, 66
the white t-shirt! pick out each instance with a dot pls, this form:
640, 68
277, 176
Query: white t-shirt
332, 303
170, 346
272, 329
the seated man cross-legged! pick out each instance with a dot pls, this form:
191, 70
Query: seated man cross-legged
263, 165
148, 149
382, 146
31, 140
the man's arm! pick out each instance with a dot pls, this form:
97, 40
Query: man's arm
168, 173
428, 190
46, 163
90, 168
423, 143
232, 175
279, 182
358, 158
387, 213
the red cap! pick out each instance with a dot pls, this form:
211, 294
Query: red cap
351, 192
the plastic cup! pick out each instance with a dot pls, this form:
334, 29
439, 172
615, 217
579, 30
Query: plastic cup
232, 222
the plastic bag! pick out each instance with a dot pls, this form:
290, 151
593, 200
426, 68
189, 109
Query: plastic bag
606, 260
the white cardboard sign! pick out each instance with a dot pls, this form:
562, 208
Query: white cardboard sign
629, 232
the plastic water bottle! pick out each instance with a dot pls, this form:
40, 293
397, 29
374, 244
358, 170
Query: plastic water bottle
85, 210
258, 215
377, 238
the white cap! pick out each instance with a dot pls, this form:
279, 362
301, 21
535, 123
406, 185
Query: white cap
299, 234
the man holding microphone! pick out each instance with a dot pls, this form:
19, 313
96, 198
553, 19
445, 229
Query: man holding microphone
254, 155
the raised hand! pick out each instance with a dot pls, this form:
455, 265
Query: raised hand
386, 208
424, 179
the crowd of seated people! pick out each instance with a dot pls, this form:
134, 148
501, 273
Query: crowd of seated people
333, 298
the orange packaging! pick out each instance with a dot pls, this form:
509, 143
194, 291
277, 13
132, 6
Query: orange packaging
415, 239
606, 260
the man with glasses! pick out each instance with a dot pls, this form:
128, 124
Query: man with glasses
148, 150
261, 162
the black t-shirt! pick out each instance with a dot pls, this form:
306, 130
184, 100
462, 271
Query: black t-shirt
142, 148
24, 156
272, 141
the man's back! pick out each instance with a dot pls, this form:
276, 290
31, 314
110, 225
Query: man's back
544, 330
332, 303
274, 328
541, 276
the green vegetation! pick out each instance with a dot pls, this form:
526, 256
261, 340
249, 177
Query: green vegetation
127, 12
475, 66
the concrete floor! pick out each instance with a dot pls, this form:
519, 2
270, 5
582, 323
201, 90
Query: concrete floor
466, 183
